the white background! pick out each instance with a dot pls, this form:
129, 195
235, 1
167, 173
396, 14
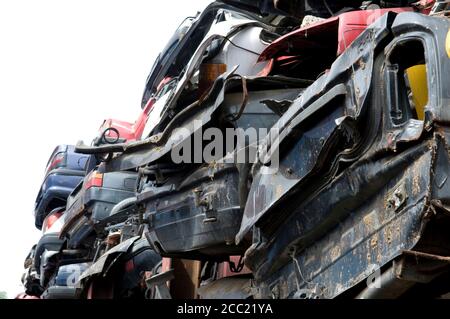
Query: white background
64, 67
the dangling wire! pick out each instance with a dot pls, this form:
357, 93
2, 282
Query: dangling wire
328, 8
236, 268
297, 265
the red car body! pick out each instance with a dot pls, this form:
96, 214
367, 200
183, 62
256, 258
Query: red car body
342, 29
127, 131
25, 296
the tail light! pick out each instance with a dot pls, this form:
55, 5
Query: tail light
209, 72
50, 220
57, 161
129, 265
94, 179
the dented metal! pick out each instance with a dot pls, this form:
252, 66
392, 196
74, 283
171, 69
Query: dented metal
348, 181
330, 230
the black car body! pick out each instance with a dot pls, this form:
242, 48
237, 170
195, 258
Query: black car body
121, 271
91, 203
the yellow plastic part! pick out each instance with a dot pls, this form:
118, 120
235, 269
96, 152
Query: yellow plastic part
447, 44
417, 76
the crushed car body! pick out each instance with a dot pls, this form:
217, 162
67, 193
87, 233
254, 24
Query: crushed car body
371, 194
346, 177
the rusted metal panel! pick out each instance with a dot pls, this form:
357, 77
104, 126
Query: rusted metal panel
108, 258
187, 279
369, 230
433, 32
227, 288
356, 190
326, 226
313, 141
154, 148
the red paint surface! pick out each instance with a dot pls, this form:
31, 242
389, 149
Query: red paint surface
127, 130
224, 269
343, 30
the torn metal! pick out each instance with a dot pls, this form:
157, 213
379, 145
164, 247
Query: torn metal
365, 185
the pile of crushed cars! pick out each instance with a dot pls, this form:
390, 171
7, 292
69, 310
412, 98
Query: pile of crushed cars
336, 172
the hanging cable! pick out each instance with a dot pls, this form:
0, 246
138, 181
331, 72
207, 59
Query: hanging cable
239, 47
328, 7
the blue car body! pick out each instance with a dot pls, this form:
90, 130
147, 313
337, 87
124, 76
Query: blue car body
65, 170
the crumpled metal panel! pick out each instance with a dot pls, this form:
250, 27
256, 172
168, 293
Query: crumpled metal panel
181, 48
266, 191
220, 30
360, 224
154, 148
433, 33
341, 30
392, 214
384, 201
199, 218
104, 261
227, 288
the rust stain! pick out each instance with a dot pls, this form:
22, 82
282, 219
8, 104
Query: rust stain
416, 180
362, 64
278, 191
368, 220
374, 248
388, 235
374, 242
335, 253
371, 220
